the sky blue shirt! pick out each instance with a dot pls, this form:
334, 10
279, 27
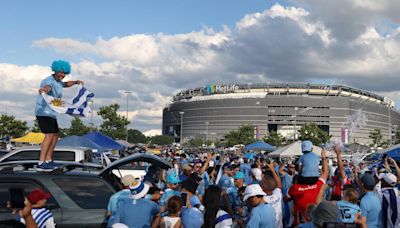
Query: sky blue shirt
115, 199
246, 169
372, 209
309, 165
347, 211
262, 216
42, 108
225, 182
136, 213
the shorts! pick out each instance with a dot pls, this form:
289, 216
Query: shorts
47, 124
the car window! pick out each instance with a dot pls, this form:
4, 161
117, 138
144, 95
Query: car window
27, 187
64, 155
87, 193
24, 155
34, 155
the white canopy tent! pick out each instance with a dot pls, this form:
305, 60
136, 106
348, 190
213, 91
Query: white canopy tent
294, 150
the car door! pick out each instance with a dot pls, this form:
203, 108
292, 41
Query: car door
85, 200
27, 185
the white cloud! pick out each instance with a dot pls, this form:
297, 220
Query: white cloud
344, 41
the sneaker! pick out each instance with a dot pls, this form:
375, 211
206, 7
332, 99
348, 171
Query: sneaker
44, 167
53, 164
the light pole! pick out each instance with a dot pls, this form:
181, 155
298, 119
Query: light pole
127, 93
207, 123
395, 133
91, 115
181, 139
294, 124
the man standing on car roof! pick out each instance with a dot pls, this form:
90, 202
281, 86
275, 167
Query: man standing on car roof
46, 117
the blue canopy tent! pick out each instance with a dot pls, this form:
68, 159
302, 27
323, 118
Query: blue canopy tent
81, 142
103, 141
260, 145
393, 152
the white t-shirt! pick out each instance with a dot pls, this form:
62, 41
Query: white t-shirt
275, 200
170, 221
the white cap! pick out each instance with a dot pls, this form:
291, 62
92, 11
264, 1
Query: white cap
253, 190
119, 225
388, 178
257, 173
127, 180
211, 163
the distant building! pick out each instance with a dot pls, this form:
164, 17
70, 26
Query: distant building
212, 111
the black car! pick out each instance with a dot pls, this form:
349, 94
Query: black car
79, 195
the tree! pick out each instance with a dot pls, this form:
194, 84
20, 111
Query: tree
35, 127
161, 140
135, 136
113, 125
377, 138
9, 126
194, 142
274, 138
312, 132
244, 135
77, 127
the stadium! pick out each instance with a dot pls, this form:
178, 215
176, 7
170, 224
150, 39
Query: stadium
347, 114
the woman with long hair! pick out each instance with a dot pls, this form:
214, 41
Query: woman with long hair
214, 216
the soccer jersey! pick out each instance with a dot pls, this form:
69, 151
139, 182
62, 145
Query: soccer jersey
303, 195
136, 213
371, 208
43, 217
347, 211
223, 220
337, 185
262, 216
42, 108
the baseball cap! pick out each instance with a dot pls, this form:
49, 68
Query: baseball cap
388, 178
306, 146
172, 179
253, 190
238, 175
127, 180
325, 212
368, 180
257, 173
37, 195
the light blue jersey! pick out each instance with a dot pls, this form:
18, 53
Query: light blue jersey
114, 201
347, 211
371, 208
262, 216
42, 108
309, 165
137, 213
225, 182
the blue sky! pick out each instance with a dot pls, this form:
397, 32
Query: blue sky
26, 21
157, 48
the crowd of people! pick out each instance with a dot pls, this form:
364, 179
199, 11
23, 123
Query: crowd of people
209, 190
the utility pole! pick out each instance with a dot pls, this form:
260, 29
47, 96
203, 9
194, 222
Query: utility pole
207, 123
127, 93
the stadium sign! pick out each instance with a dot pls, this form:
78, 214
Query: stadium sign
213, 89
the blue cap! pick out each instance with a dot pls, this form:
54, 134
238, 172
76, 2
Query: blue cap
306, 146
194, 201
238, 175
192, 217
368, 180
172, 179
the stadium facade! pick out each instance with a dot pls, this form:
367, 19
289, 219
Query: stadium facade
212, 111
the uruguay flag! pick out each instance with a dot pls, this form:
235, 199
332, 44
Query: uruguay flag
77, 107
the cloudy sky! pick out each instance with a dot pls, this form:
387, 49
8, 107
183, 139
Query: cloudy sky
157, 48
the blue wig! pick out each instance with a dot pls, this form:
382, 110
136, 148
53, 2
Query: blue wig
61, 66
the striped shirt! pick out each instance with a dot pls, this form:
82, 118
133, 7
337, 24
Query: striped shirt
43, 217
